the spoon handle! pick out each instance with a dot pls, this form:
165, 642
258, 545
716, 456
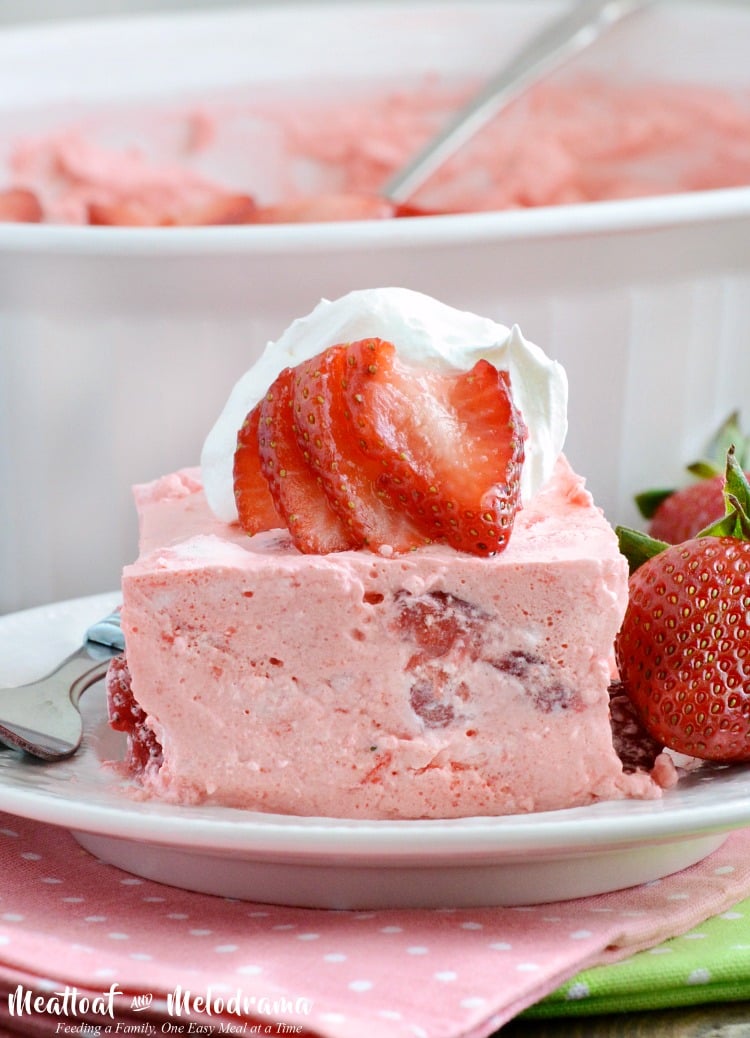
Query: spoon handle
556, 44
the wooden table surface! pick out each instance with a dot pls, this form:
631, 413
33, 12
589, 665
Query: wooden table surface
720, 1021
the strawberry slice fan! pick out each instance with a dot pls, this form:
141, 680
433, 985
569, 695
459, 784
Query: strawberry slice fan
356, 449
683, 650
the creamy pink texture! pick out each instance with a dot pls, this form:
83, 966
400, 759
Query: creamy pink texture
434, 684
71, 173
568, 140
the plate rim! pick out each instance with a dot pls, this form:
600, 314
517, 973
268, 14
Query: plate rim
567, 832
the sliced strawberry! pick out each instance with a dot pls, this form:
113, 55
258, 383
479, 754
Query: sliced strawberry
405, 209
123, 214
18, 205
327, 209
224, 209
349, 478
294, 486
255, 506
362, 450
449, 446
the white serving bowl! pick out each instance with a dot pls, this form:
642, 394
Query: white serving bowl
119, 346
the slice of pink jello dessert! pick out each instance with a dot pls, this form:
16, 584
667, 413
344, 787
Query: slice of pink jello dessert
385, 594
431, 685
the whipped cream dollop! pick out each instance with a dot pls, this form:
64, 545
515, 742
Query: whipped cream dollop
426, 333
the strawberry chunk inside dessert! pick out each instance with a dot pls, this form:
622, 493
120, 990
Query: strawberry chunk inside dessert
126, 715
450, 634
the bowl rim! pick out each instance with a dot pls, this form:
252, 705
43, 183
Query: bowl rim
551, 223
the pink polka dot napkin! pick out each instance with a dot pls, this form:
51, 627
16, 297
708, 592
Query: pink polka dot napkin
88, 945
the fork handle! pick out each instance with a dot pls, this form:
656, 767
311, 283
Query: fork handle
76, 672
42, 717
88, 677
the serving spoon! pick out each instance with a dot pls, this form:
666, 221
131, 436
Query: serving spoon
547, 51
43, 717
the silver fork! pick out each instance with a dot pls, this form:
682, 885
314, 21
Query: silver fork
43, 717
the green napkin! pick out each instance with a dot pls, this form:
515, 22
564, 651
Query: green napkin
710, 963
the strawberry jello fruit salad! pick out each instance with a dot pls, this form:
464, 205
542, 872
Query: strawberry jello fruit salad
385, 594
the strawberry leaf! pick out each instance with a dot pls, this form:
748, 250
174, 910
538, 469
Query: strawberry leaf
637, 547
730, 435
704, 469
649, 500
735, 482
736, 520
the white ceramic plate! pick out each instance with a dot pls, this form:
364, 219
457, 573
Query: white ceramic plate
331, 863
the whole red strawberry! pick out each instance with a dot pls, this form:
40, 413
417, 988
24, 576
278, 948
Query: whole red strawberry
678, 514
683, 650
688, 510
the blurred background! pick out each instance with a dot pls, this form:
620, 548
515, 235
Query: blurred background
36, 10
128, 358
